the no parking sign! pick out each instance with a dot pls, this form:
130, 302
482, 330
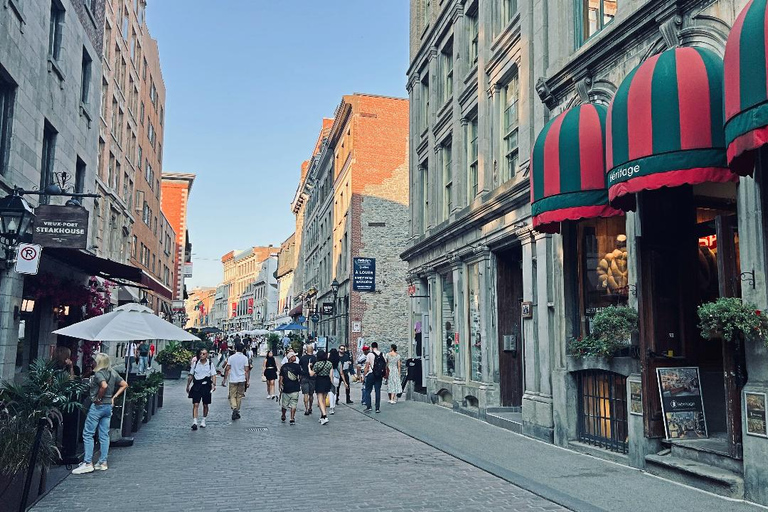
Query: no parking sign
28, 258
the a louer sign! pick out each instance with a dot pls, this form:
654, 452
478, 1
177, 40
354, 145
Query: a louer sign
61, 226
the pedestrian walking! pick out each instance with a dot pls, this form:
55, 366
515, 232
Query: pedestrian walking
143, 356
290, 385
130, 356
307, 380
151, 353
375, 372
334, 358
105, 386
201, 382
394, 385
345, 360
359, 376
321, 370
239, 379
269, 371
287, 355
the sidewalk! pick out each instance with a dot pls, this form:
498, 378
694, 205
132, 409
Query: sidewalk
576, 481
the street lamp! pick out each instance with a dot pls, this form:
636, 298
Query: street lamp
15, 217
335, 290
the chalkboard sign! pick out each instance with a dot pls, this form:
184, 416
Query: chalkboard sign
364, 274
681, 403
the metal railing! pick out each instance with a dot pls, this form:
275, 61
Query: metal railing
602, 414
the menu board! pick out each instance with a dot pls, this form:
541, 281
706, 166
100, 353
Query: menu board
756, 421
682, 403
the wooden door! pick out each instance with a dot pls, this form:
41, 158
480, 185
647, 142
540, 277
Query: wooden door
509, 286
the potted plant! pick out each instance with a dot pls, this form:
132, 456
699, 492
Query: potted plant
174, 358
27, 410
732, 320
612, 330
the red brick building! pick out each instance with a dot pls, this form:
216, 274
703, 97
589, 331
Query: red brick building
176, 188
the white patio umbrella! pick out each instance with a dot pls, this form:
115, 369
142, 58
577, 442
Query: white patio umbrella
129, 322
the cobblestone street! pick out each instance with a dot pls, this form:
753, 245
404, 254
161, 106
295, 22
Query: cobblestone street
260, 464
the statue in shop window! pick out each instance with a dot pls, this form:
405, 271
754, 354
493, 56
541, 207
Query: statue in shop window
612, 272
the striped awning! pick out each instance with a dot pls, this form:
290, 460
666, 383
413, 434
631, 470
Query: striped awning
568, 169
746, 87
665, 125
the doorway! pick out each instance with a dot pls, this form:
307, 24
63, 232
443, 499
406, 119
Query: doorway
509, 287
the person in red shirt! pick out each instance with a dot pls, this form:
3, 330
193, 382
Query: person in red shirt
151, 353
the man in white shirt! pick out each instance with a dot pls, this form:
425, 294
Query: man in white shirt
130, 355
201, 382
238, 372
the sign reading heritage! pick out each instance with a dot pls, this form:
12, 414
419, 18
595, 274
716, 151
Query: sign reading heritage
61, 226
756, 421
681, 403
364, 274
327, 308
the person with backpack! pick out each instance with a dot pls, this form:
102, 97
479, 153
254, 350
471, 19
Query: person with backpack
375, 372
105, 386
290, 385
201, 382
143, 356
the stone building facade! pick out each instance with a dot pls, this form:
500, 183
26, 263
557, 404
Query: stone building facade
50, 75
285, 275
356, 207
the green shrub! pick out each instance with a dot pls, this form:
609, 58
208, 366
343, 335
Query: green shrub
174, 355
730, 318
612, 328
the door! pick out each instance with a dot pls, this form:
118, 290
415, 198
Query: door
509, 286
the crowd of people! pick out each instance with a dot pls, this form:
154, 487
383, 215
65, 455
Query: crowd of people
316, 378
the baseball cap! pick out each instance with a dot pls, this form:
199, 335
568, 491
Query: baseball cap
366, 347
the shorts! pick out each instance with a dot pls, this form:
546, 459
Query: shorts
308, 385
289, 400
200, 392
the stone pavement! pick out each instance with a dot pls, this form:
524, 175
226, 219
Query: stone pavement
574, 480
259, 464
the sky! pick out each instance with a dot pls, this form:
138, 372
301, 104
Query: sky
247, 85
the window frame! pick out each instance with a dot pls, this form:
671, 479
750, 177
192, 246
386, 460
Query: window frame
510, 130
447, 177
473, 160
581, 18
55, 30
7, 103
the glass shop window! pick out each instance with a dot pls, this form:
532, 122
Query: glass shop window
449, 325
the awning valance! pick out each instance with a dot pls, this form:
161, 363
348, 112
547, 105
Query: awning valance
664, 125
94, 265
746, 87
568, 169
296, 311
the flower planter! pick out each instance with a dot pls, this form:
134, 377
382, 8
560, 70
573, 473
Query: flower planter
146, 412
160, 396
137, 417
14, 488
127, 420
173, 372
154, 404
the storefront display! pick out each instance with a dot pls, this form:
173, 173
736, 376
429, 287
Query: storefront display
449, 331
473, 299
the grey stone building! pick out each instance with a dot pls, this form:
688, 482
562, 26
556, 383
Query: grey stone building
50, 74
634, 204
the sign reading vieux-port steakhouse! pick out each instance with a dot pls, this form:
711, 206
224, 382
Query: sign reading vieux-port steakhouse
61, 226
364, 274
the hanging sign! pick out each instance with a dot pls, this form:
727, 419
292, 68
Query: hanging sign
61, 226
756, 420
234, 309
250, 305
327, 308
364, 274
28, 258
681, 403
186, 269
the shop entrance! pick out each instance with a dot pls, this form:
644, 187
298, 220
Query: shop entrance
509, 289
688, 252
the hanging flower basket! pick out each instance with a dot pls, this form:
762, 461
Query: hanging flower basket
731, 319
612, 330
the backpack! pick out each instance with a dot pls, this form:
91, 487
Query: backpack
379, 365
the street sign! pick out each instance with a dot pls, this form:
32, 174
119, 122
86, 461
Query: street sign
327, 308
357, 327
364, 274
315, 318
28, 258
61, 226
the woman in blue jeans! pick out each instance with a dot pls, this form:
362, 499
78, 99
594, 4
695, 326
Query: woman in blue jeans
106, 386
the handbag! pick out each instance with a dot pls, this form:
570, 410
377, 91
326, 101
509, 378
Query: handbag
263, 378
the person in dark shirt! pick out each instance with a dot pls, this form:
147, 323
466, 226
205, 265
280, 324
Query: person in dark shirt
307, 381
290, 385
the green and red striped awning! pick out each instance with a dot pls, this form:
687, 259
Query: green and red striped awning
568, 169
665, 125
746, 86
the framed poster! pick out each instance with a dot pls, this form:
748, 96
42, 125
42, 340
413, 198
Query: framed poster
756, 421
636, 397
681, 402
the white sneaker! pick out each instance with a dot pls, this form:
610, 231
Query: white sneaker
324, 421
202, 423
333, 410
100, 466
82, 469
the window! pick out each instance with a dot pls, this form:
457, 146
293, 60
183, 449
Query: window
446, 73
474, 323
85, 77
140, 158
120, 117
508, 11
602, 409
592, 16
107, 41
160, 152
79, 176
146, 214
134, 246
149, 175
472, 161
7, 96
426, 13
144, 69
111, 170
100, 163
115, 125
448, 324
425, 102
604, 275
104, 92
153, 93
424, 171
447, 179
116, 184
126, 23
473, 37
151, 134
48, 157
55, 30
141, 114
510, 122
133, 46
121, 74
126, 193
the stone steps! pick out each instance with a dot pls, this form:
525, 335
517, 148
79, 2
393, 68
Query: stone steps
507, 418
697, 474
